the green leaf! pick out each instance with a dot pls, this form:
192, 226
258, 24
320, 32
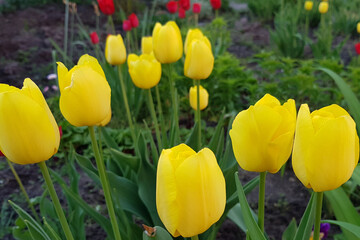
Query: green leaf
343, 209
34, 232
109, 141
191, 141
53, 235
19, 231
124, 160
88, 168
354, 229
215, 141
356, 175
305, 227
235, 215
252, 227
290, 231
154, 150
160, 234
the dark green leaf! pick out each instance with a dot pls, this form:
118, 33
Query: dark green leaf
290, 231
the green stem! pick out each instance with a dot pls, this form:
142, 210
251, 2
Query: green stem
105, 184
198, 113
23, 190
111, 22
319, 201
261, 203
128, 41
153, 115
126, 105
172, 91
66, 28
216, 13
162, 122
196, 19
55, 200
136, 40
307, 25
195, 237
71, 34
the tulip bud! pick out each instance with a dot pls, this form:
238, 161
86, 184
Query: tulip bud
323, 7
326, 147
145, 70
197, 8
199, 60
190, 36
172, 6
107, 7
184, 4
262, 136
358, 27
182, 13
216, 4
29, 132
85, 93
146, 45
190, 190
94, 38
127, 25
115, 51
308, 5
167, 42
134, 20
204, 97
357, 48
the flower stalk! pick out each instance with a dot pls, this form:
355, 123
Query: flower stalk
319, 200
153, 115
261, 203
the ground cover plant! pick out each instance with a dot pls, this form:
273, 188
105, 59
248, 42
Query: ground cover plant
180, 120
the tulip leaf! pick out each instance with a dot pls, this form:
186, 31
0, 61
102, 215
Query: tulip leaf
158, 234
88, 168
356, 175
19, 232
350, 97
290, 231
109, 141
343, 209
252, 226
235, 215
154, 150
305, 227
231, 201
217, 140
228, 160
51, 231
141, 148
354, 229
35, 233
124, 160
191, 141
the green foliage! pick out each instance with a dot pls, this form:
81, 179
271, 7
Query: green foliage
264, 10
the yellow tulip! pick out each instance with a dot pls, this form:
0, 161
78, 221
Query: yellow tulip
115, 51
204, 97
262, 136
358, 27
191, 35
190, 190
29, 132
308, 5
147, 45
85, 93
326, 147
323, 7
145, 70
199, 60
167, 42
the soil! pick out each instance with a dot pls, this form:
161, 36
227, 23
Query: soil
25, 51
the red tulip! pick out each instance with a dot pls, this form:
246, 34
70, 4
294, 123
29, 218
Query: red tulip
182, 13
134, 20
357, 48
94, 38
216, 4
107, 6
60, 131
184, 4
127, 25
172, 6
196, 7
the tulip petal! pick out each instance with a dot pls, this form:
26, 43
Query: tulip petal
268, 100
201, 193
62, 72
91, 62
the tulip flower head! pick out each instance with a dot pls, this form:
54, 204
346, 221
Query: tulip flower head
308, 5
115, 51
323, 7
107, 7
184, 4
192, 34
199, 60
358, 27
182, 13
216, 4
197, 8
94, 38
134, 20
146, 45
167, 42
326, 147
262, 136
145, 70
85, 93
357, 48
127, 25
204, 98
190, 190
29, 132
172, 6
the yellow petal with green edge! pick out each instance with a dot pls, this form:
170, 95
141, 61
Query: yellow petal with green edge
27, 136
304, 137
331, 160
87, 101
201, 193
62, 73
87, 60
166, 193
268, 100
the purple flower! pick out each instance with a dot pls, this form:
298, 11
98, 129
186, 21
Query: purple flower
324, 228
